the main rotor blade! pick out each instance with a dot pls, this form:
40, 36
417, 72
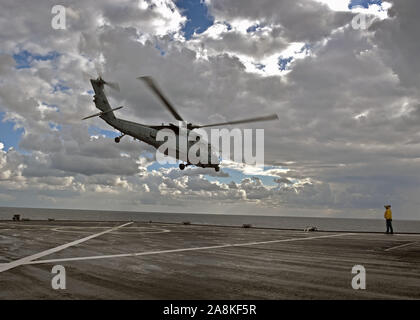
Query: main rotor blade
256, 119
152, 85
113, 85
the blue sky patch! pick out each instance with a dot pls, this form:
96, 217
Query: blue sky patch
60, 87
156, 166
95, 131
363, 3
237, 176
51, 106
284, 62
8, 135
305, 48
234, 175
54, 126
253, 28
162, 52
259, 66
25, 58
199, 19
229, 27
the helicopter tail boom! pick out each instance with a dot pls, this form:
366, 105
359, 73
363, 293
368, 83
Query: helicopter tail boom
101, 101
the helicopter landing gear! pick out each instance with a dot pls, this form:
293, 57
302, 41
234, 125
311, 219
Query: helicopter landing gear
182, 166
118, 139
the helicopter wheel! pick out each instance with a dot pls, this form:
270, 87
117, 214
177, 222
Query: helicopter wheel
181, 166
117, 139
217, 168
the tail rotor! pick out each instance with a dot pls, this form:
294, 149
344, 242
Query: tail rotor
87, 76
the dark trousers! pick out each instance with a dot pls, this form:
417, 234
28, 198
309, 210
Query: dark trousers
389, 226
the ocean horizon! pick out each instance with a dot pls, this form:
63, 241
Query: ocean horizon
280, 222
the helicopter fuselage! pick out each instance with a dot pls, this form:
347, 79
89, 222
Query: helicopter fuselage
149, 133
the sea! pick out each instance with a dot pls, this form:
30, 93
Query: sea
280, 222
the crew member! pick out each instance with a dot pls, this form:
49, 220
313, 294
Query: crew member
388, 218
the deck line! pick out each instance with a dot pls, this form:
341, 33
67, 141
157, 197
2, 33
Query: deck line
400, 246
183, 249
28, 259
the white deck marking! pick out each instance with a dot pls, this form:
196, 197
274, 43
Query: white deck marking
147, 230
28, 259
400, 246
183, 249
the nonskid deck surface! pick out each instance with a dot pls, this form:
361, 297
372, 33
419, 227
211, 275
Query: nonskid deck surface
134, 260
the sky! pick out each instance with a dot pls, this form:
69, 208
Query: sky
348, 136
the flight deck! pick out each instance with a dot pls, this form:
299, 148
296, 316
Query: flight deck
142, 260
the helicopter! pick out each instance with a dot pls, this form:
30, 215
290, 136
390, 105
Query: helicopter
148, 133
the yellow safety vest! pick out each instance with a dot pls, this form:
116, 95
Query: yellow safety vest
388, 214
